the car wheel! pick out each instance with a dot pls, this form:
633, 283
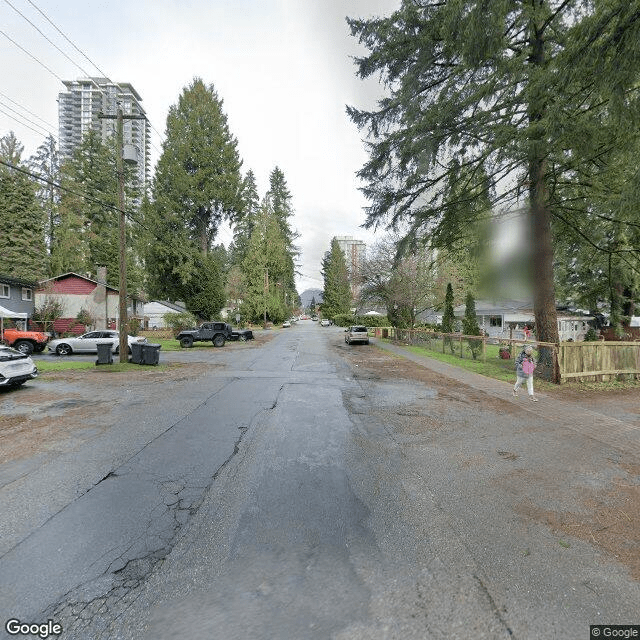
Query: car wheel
18, 384
63, 350
242, 338
186, 343
218, 341
39, 348
24, 346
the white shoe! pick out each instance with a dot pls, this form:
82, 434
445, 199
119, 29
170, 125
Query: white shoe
534, 399
515, 393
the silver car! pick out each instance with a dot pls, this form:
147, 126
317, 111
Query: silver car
15, 367
355, 334
88, 342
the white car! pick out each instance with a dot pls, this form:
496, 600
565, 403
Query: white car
88, 342
324, 322
286, 324
15, 367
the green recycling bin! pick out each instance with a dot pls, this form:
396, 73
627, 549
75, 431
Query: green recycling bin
105, 356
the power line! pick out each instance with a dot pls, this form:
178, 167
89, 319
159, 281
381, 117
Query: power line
53, 44
44, 15
82, 53
6, 97
35, 124
19, 121
53, 73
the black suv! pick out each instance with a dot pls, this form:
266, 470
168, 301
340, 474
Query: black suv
217, 332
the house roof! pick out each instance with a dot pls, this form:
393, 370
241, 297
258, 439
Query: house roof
18, 282
170, 305
78, 275
486, 307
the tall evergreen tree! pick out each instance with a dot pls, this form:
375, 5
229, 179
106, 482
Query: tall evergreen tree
448, 318
470, 325
265, 269
46, 163
501, 90
281, 198
87, 234
336, 297
246, 218
198, 175
22, 224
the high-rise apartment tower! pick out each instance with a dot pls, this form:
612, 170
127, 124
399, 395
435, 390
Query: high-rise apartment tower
79, 109
354, 251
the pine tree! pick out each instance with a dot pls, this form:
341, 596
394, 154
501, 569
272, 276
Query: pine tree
22, 224
198, 175
281, 198
246, 218
86, 235
336, 297
448, 317
470, 325
46, 164
265, 269
487, 100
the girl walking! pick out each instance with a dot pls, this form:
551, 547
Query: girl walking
525, 364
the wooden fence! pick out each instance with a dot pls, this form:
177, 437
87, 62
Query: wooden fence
599, 361
584, 361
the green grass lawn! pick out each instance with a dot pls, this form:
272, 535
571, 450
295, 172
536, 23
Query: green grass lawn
504, 369
493, 366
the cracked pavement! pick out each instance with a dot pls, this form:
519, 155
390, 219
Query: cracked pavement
306, 489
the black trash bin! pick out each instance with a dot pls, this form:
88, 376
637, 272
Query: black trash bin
105, 356
136, 352
150, 353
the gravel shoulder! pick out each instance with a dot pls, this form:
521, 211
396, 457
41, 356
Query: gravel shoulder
556, 472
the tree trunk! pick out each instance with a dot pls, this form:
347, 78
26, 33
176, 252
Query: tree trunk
544, 298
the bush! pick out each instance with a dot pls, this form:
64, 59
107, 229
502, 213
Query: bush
591, 335
347, 320
179, 321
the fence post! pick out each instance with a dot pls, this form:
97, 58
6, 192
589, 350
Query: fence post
484, 348
460, 338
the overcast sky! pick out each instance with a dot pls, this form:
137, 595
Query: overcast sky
282, 67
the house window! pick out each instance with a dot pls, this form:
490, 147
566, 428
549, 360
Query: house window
495, 321
4, 291
27, 294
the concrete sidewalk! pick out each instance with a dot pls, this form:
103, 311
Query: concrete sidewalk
619, 434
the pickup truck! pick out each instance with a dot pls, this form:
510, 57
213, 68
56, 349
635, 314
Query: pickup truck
25, 341
216, 332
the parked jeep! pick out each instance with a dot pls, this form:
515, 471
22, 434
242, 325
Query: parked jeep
26, 341
216, 332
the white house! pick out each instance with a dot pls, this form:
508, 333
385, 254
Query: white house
509, 318
154, 313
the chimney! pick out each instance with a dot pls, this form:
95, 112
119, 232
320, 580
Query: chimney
101, 297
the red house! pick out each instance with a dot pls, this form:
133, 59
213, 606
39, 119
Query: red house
96, 303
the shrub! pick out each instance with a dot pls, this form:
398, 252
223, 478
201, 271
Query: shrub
179, 321
591, 335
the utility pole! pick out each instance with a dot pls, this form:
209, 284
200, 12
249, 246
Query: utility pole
123, 321
122, 249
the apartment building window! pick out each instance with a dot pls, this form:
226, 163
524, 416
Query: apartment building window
27, 294
4, 291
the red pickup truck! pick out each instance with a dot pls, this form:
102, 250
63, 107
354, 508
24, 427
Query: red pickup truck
26, 341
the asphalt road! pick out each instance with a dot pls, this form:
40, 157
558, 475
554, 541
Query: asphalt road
282, 494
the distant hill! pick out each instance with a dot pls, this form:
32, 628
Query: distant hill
308, 294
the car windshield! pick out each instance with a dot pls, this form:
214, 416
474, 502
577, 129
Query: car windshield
358, 329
